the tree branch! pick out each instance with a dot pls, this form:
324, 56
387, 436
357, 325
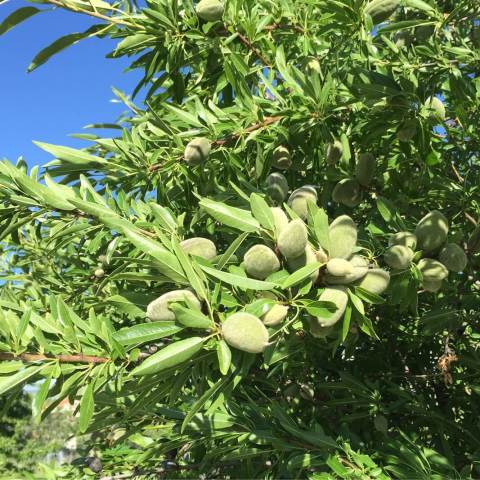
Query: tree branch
218, 143
36, 357
95, 14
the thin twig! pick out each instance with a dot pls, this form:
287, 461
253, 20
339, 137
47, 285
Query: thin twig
457, 174
254, 49
92, 14
218, 143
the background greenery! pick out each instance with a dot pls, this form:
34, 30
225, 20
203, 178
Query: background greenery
394, 394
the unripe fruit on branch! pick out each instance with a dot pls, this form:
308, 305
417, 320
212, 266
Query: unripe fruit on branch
436, 107
334, 152
474, 241
453, 257
158, 311
318, 331
381, 10
281, 158
431, 231
432, 269
339, 297
432, 285
406, 239
365, 169
103, 259
343, 237
359, 269
398, 257
306, 258
200, 247
99, 272
347, 192
275, 316
260, 262
293, 239
245, 332
280, 219
277, 187
298, 200
339, 267
407, 131
197, 151
376, 281
210, 10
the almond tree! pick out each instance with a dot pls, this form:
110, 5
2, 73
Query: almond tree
270, 269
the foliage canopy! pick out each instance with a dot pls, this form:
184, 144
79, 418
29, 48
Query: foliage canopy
370, 110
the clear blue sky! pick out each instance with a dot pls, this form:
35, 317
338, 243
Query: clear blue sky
70, 91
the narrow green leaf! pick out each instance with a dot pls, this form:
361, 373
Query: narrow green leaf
60, 44
224, 355
167, 261
190, 317
346, 322
18, 16
231, 216
86, 408
170, 356
232, 248
70, 155
357, 302
238, 280
12, 381
261, 211
145, 332
40, 398
208, 394
300, 274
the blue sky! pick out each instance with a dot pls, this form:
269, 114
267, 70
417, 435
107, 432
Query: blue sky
70, 91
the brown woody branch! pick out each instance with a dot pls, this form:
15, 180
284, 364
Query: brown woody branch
36, 357
253, 49
218, 143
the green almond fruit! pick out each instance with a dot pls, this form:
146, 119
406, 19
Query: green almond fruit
280, 219
453, 257
99, 272
260, 262
292, 241
307, 257
381, 10
338, 296
376, 281
343, 237
436, 108
318, 331
281, 158
432, 269
407, 130
339, 267
298, 200
197, 151
275, 316
200, 247
347, 192
365, 169
406, 239
432, 285
277, 187
334, 152
210, 10
431, 231
398, 257
245, 332
158, 311
359, 270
